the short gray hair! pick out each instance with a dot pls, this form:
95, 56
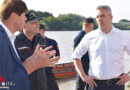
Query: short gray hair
107, 8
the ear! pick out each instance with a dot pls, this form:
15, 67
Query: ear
13, 16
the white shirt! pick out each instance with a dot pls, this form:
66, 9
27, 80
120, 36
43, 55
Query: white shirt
106, 52
11, 36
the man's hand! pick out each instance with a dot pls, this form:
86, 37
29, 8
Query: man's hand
84, 77
44, 57
123, 79
89, 80
40, 58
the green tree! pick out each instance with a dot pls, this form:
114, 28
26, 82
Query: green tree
124, 20
70, 21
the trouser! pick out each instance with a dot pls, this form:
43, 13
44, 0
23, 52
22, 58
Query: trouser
107, 85
51, 82
38, 80
80, 85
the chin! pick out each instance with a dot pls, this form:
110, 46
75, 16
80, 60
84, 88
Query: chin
19, 29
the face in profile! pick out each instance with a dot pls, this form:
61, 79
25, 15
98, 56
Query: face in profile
20, 21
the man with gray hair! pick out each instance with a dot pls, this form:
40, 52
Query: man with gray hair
106, 47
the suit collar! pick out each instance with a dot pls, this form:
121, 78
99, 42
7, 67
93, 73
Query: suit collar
10, 45
7, 30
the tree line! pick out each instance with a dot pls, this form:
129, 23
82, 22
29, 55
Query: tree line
71, 21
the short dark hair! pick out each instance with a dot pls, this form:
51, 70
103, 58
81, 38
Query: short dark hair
10, 6
88, 20
41, 26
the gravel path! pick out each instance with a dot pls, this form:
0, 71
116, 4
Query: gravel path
66, 83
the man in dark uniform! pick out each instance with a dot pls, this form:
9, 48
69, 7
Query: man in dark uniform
52, 85
87, 27
26, 42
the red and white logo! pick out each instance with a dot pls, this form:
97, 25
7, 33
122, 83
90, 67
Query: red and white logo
5, 85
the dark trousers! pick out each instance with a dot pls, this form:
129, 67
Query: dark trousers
38, 80
107, 85
80, 85
51, 82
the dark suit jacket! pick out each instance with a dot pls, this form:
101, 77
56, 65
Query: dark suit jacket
11, 68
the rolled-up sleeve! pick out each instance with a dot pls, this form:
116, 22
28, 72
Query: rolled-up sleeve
81, 49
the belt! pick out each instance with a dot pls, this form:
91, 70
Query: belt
109, 81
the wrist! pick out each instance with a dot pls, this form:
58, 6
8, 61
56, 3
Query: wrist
83, 75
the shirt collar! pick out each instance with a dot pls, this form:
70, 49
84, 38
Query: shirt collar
10, 35
113, 29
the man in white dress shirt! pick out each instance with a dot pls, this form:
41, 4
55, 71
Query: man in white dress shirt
106, 47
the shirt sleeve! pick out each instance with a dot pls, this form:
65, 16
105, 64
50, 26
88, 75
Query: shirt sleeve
57, 49
81, 49
127, 41
77, 41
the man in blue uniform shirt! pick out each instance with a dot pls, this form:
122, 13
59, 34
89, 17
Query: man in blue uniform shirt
87, 27
52, 85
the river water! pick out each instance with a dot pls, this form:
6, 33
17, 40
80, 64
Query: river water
65, 43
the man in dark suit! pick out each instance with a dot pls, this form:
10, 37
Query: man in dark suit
13, 73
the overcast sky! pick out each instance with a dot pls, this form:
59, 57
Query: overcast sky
120, 8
